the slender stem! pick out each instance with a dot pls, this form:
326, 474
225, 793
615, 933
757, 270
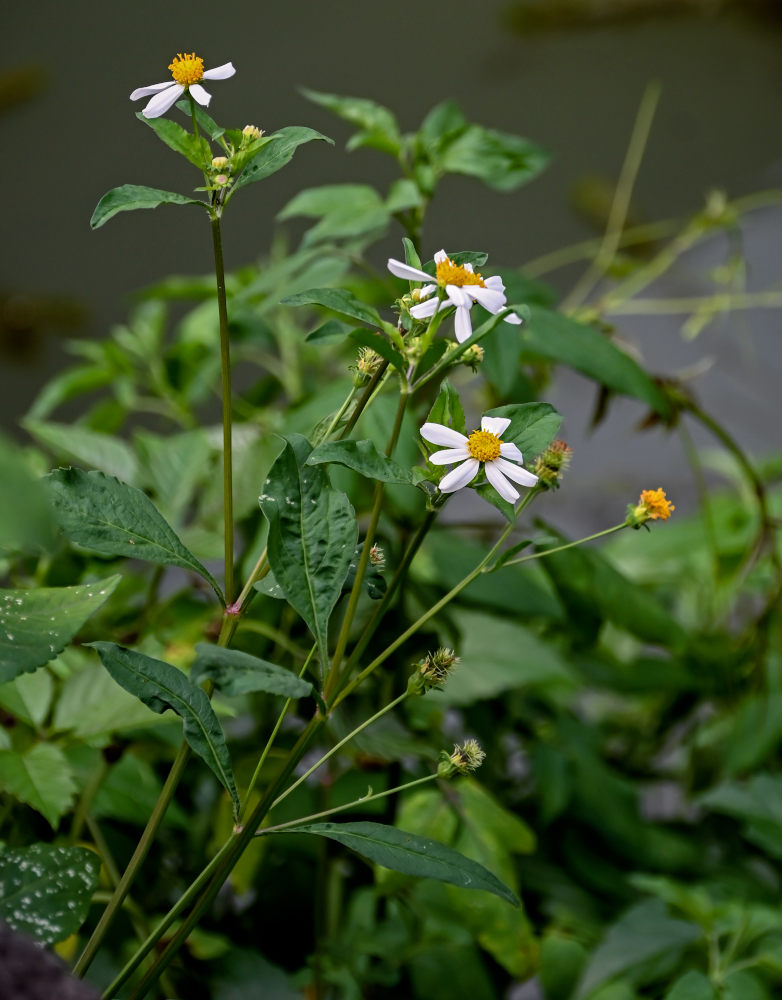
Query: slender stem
621, 202
561, 548
85, 802
338, 746
693, 457
225, 385
347, 805
340, 413
364, 399
256, 574
720, 302
155, 819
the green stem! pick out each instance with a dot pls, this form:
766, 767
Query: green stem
561, 548
340, 413
364, 399
225, 385
720, 302
347, 805
85, 802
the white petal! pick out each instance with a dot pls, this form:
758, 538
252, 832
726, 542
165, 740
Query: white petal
459, 476
440, 256
487, 297
440, 434
515, 472
164, 100
402, 270
199, 94
458, 296
424, 309
495, 283
500, 483
509, 450
425, 290
220, 72
449, 456
470, 268
514, 319
495, 425
154, 88
462, 325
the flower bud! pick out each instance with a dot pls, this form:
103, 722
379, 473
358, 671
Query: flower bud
219, 162
221, 180
377, 557
251, 132
652, 505
552, 463
465, 758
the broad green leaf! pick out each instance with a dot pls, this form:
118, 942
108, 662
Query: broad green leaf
276, 154
28, 697
447, 409
65, 385
129, 197
244, 974
344, 210
433, 964
329, 332
362, 457
378, 126
312, 536
174, 467
41, 778
91, 705
129, 793
45, 891
502, 161
36, 625
234, 672
441, 125
25, 514
403, 194
411, 855
691, 986
555, 337
643, 933
339, 300
88, 447
561, 963
115, 519
532, 427
161, 686
195, 150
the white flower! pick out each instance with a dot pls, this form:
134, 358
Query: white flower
484, 446
462, 285
187, 71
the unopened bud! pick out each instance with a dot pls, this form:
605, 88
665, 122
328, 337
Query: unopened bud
465, 758
219, 162
221, 180
551, 464
472, 357
251, 132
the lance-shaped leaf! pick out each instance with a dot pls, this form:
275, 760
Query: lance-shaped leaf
41, 778
110, 517
273, 157
362, 457
36, 625
312, 536
194, 149
129, 197
45, 891
161, 686
411, 855
340, 300
235, 672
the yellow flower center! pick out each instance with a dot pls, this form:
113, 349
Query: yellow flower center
484, 446
656, 504
449, 273
187, 68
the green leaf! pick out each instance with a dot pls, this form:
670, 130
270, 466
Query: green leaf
36, 625
643, 933
41, 778
206, 123
175, 465
129, 197
411, 254
367, 338
91, 705
758, 802
378, 126
45, 891
115, 519
88, 447
276, 154
25, 514
502, 161
195, 150
447, 408
344, 210
691, 986
129, 793
532, 428
328, 333
28, 697
410, 854
161, 686
403, 194
555, 337
312, 536
339, 300
234, 672
362, 457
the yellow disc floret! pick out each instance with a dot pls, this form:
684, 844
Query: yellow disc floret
484, 446
656, 504
449, 273
187, 69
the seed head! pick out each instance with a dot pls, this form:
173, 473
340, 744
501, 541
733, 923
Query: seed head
465, 758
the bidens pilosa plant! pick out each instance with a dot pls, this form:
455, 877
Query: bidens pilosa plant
279, 582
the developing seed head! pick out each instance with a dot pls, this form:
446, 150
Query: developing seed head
365, 367
465, 759
552, 463
377, 557
433, 671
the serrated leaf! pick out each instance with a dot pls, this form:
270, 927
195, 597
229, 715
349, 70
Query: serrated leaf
362, 457
195, 150
45, 891
28, 697
312, 536
129, 197
378, 125
92, 705
555, 337
41, 778
86, 446
344, 210
502, 161
235, 672
276, 154
161, 686
115, 519
36, 625
411, 855
339, 300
